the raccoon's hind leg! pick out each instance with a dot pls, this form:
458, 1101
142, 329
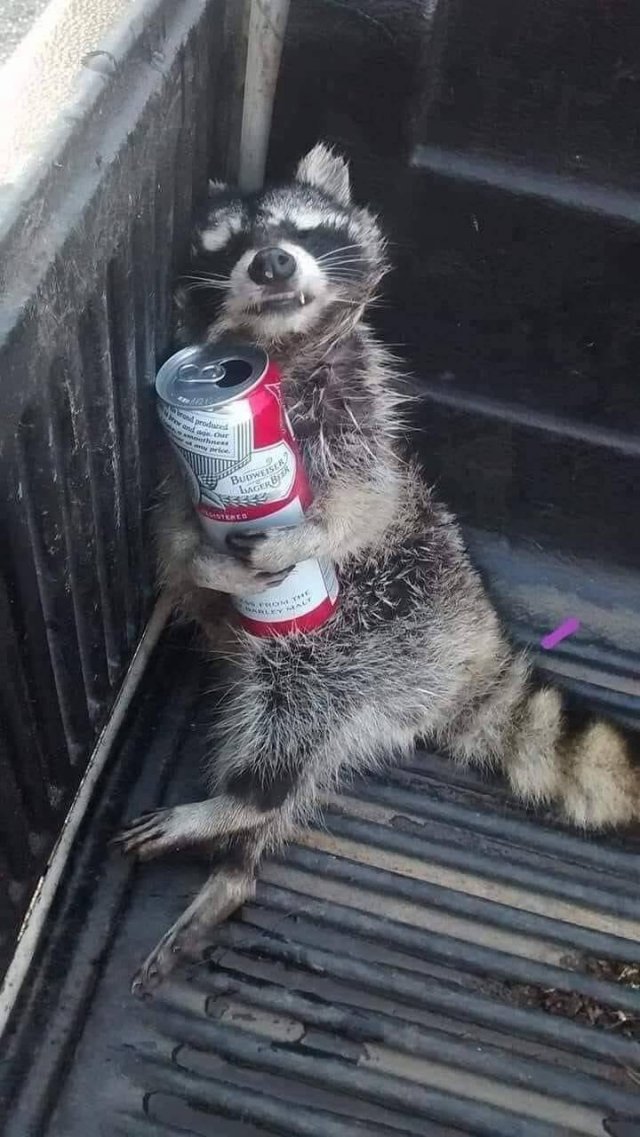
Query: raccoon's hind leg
288, 732
227, 888
270, 807
285, 801
550, 748
237, 858
260, 799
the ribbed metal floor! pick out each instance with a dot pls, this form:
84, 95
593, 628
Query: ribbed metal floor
432, 961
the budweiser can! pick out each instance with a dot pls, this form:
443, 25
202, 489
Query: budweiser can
222, 408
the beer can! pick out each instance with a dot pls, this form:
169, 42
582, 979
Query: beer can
222, 408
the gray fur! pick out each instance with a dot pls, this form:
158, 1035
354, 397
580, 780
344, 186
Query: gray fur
415, 650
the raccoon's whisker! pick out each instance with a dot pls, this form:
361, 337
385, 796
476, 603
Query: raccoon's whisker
202, 285
341, 261
341, 271
347, 250
193, 282
339, 249
344, 285
347, 268
334, 252
205, 280
327, 269
204, 276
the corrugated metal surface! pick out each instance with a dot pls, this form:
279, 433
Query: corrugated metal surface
87, 261
431, 960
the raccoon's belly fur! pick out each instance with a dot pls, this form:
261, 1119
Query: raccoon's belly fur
413, 639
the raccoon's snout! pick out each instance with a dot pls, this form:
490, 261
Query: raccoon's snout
270, 266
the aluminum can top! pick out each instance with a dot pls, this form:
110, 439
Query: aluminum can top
208, 376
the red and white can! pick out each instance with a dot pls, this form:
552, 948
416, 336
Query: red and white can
222, 407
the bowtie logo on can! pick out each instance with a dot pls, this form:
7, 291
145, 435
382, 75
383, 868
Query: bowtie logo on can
222, 408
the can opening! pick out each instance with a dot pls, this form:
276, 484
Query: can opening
236, 371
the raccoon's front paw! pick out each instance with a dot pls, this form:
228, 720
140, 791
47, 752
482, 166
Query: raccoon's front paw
152, 834
229, 574
273, 550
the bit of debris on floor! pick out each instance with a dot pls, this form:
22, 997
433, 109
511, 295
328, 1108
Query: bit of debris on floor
581, 1008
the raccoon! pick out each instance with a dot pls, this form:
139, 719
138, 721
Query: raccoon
415, 650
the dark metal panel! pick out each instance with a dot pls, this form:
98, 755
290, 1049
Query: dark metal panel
146, 332
411, 989
360, 1026
22, 726
14, 831
404, 1097
28, 618
123, 331
105, 477
447, 950
430, 895
41, 502
556, 81
285, 1116
67, 416
419, 792
415, 841
127, 1125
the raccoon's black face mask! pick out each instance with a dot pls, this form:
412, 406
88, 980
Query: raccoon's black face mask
273, 264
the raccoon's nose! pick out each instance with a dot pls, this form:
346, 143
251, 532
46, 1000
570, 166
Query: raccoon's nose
271, 265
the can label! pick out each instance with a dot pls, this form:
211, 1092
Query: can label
303, 601
245, 471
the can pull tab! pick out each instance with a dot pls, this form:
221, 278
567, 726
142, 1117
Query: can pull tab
212, 373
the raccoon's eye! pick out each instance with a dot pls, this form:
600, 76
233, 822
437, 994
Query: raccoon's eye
304, 232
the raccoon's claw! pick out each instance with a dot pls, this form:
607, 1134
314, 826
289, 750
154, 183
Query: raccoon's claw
157, 966
183, 943
272, 550
243, 543
193, 933
145, 837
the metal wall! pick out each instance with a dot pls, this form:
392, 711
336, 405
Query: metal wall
87, 260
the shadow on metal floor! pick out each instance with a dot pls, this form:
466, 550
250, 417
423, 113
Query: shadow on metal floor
432, 961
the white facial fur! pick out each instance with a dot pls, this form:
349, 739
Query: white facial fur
224, 225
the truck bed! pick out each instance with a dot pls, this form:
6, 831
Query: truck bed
431, 959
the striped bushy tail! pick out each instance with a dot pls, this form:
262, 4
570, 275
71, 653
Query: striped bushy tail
551, 748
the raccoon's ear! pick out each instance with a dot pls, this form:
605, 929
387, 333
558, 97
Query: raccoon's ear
215, 188
325, 171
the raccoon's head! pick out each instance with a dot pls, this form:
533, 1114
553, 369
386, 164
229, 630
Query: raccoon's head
287, 260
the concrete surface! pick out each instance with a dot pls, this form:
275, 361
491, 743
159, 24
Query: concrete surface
16, 17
